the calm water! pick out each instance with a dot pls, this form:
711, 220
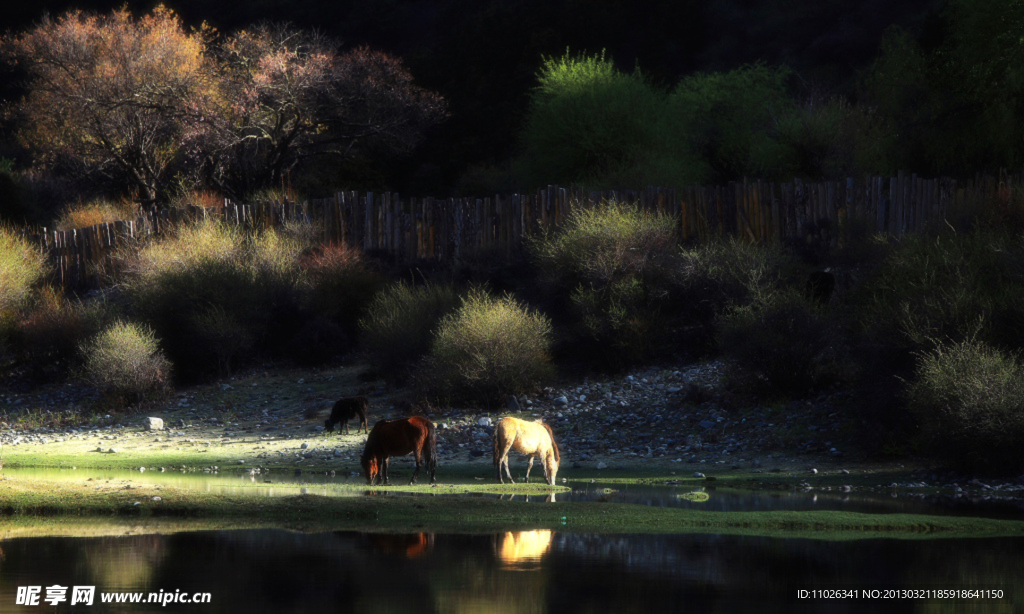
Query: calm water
533, 571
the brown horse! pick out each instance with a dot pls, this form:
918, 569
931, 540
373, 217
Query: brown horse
530, 438
389, 438
346, 409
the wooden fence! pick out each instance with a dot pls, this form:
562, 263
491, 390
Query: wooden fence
449, 230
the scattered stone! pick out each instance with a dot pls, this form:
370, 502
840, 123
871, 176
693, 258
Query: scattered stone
813, 470
485, 421
707, 425
154, 424
304, 445
602, 465
698, 475
512, 404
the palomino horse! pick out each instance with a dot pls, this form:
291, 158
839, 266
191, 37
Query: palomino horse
389, 438
530, 438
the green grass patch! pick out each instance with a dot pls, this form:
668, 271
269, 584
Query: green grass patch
40, 498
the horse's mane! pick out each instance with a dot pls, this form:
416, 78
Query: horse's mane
371, 444
554, 443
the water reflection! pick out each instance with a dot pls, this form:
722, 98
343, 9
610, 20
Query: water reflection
529, 571
408, 546
516, 550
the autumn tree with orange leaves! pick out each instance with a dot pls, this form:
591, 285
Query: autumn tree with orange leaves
115, 98
145, 104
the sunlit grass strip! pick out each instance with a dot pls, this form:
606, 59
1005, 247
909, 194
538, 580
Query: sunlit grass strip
471, 514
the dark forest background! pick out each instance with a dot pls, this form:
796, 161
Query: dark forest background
483, 56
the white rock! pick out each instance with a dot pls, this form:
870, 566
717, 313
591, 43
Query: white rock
602, 465
154, 424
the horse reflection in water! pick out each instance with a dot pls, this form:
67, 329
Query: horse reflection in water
516, 549
409, 546
529, 438
548, 498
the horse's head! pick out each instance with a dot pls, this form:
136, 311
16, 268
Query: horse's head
329, 426
371, 468
552, 466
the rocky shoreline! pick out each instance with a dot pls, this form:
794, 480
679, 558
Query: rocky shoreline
680, 419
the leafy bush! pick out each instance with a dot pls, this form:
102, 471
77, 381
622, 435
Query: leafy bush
215, 296
47, 337
717, 276
338, 285
590, 123
399, 325
969, 400
950, 287
125, 363
727, 122
783, 348
22, 267
489, 348
612, 266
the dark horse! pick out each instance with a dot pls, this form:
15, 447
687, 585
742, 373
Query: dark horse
346, 409
388, 438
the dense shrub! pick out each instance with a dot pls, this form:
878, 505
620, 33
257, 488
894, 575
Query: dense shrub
783, 348
590, 123
398, 327
214, 295
716, 276
22, 267
47, 336
969, 400
727, 122
611, 266
950, 287
488, 348
318, 341
125, 363
338, 285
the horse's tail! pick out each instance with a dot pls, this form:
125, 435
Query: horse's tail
431, 455
499, 442
554, 444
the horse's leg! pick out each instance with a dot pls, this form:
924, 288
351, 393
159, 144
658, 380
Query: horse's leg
529, 466
419, 459
504, 460
387, 480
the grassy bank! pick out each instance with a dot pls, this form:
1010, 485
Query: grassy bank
128, 500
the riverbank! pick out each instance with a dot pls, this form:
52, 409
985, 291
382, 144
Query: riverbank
645, 427
53, 505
